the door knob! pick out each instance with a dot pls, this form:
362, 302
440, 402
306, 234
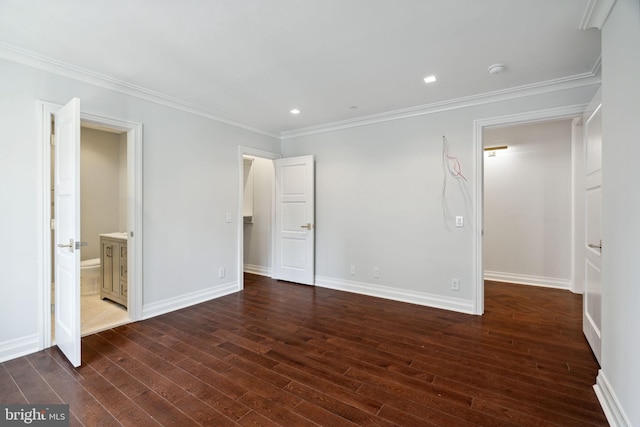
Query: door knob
309, 226
70, 245
594, 246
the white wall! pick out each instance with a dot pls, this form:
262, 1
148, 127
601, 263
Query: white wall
620, 374
378, 201
100, 196
527, 204
190, 182
257, 236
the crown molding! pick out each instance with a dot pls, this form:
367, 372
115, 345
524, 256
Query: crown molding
596, 14
36, 60
565, 83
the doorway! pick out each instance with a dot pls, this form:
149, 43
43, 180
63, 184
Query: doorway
527, 203
480, 126
256, 213
130, 135
103, 211
103, 178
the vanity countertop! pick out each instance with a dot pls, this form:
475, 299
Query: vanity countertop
122, 235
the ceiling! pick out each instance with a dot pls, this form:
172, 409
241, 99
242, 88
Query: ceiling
252, 61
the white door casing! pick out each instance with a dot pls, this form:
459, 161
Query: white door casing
67, 230
295, 220
592, 315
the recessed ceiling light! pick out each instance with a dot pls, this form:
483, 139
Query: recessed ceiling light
430, 79
295, 111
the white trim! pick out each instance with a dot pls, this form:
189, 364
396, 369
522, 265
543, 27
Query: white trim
248, 151
567, 112
526, 279
571, 82
36, 60
577, 234
596, 14
609, 401
134, 214
181, 301
412, 297
44, 111
19, 347
257, 269
478, 232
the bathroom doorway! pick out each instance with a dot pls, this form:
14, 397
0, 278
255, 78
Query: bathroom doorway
103, 212
130, 262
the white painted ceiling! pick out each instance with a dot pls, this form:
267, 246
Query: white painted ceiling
251, 61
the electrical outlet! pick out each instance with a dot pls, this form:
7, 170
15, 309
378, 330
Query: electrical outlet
221, 273
352, 270
455, 284
228, 217
376, 272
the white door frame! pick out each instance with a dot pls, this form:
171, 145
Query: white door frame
134, 211
248, 151
568, 112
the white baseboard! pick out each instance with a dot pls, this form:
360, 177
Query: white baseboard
257, 269
525, 279
19, 347
609, 402
182, 301
413, 297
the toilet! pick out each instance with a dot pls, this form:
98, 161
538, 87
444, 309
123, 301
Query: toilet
90, 276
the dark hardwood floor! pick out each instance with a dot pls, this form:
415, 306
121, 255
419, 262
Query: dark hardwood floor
285, 354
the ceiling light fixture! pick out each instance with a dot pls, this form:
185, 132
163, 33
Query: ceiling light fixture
497, 147
492, 150
430, 79
497, 68
295, 111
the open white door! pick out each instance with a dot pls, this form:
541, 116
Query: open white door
592, 302
67, 230
294, 257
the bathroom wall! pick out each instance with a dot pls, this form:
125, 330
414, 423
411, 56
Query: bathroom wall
100, 187
122, 181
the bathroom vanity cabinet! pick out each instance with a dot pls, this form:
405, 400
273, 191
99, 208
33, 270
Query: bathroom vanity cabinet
113, 267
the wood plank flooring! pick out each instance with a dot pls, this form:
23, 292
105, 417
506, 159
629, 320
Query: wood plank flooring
284, 354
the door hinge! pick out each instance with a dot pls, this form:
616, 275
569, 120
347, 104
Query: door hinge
53, 139
53, 224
